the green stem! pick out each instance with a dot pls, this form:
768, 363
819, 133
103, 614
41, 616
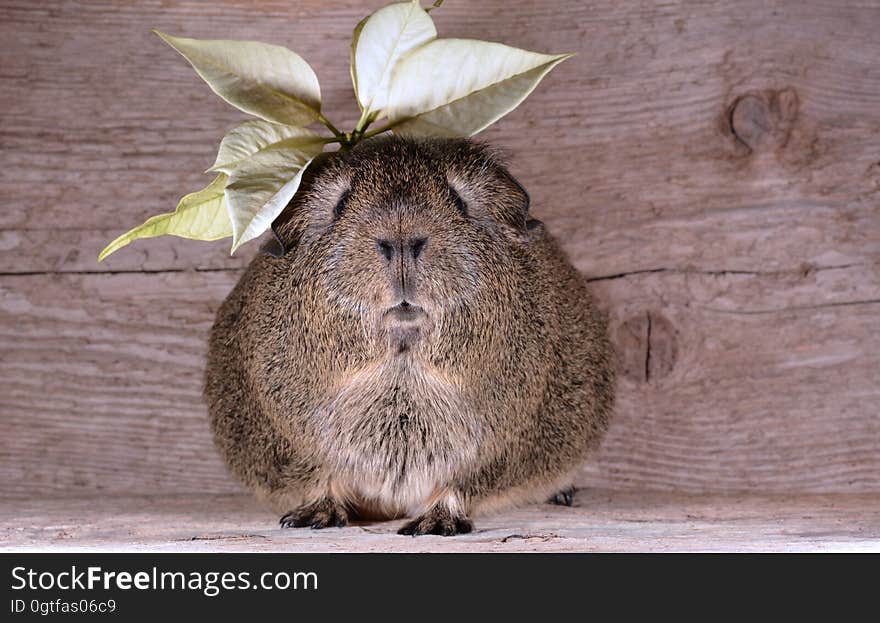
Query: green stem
332, 127
362, 123
384, 128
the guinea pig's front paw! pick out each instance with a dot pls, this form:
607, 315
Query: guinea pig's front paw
438, 520
564, 497
323, 513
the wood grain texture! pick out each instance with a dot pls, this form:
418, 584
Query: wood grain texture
102, 381
599, 521
102, 385
713, 169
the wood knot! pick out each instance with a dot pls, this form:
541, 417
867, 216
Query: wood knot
762, 120
646, 346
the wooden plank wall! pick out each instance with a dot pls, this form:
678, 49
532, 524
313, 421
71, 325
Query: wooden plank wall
712, 167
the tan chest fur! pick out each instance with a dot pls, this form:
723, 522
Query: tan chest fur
395, 432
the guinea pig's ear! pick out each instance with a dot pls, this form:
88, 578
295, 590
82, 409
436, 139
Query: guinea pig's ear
513, 201
285, 230
274, 246
488, 190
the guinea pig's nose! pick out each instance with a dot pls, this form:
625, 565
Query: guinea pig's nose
390, 248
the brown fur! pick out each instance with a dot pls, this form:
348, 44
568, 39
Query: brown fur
321, 399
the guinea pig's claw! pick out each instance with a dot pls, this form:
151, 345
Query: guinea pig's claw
439, 521
563, 498
324, 513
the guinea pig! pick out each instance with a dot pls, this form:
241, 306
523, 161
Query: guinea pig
416, 347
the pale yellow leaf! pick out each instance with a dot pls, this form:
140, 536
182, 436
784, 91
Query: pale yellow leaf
265, 80
355, 37
378, 43
200, 215
458, 87
256, 136
261, 187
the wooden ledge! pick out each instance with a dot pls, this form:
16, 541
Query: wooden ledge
599, 521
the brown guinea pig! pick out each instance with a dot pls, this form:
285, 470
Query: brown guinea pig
419, 347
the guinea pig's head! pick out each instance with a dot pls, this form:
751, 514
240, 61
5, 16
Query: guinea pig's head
403, 233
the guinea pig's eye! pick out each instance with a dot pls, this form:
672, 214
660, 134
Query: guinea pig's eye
458, 201
340, 205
